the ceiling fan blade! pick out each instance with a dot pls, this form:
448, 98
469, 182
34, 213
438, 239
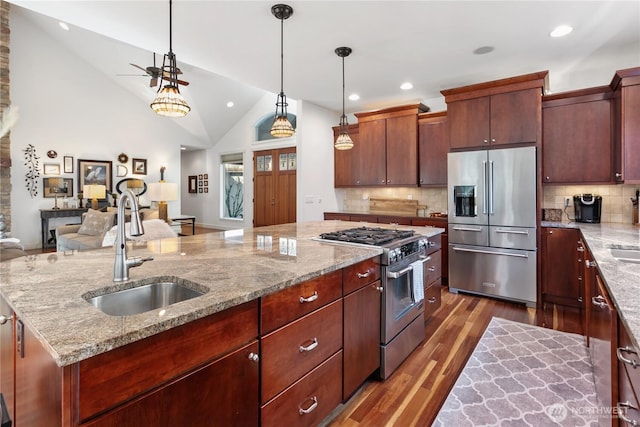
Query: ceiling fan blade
167, 77
137, 66
134, 75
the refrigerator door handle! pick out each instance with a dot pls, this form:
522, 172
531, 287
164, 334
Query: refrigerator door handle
480, 251
526, 233
485, 189
477, 230
491, 207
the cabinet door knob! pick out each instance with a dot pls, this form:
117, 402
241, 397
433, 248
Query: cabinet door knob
254, 357
379, 289
432, 300
484, 141
547, 178
493, 140
550, 231
618, 175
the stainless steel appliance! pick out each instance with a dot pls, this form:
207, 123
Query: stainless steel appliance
402, 317
587, 208
492, 223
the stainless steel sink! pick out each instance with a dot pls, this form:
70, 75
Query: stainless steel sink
626, 255
143, 298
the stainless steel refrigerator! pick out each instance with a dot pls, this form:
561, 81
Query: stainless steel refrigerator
492, 223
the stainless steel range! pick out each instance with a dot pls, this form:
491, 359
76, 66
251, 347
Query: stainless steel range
402, 317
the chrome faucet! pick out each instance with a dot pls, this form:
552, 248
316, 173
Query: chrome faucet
122, 265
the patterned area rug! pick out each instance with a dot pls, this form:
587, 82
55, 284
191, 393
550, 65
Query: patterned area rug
523, 375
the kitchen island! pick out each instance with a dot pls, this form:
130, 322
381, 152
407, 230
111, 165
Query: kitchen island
82, 348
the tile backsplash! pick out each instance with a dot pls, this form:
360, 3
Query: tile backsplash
616, 203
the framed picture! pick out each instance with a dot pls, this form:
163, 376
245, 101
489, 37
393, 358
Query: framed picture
94, 172
192, 184
51, 169
205, 176
66, 188
200, 190
205, 183
206, 189
68, 164
199, 183
200, 177
139, 166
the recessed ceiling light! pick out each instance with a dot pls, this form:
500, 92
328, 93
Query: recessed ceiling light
406, 86
484, 49
230, 104
183, 148
561, 30
63, 25
354, 97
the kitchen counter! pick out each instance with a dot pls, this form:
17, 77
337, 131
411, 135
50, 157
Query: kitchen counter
46, 290
621, 279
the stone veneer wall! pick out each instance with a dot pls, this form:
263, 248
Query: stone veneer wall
5, 141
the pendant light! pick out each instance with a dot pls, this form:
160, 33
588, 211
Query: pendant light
169, 102
281, 127
343, 141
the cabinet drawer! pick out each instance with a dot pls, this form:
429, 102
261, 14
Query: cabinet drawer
318, 393
360, 274
432, 298
284, 358
282, 307
433, 268
627, 399
627, 351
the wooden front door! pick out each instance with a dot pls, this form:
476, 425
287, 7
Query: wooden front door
274, 186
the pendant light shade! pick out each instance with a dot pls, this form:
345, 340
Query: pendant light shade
343, 141
281, 128
169, 102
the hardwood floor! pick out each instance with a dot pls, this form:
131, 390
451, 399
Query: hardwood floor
413, 395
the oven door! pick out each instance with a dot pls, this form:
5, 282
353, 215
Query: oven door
399, 306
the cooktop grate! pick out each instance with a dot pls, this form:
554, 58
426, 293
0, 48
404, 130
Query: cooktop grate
368, 235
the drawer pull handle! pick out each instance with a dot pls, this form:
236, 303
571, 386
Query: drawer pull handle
309, 299
432, 300
599, 301
310, 347
310, 409
621, 358
4, 319
364, 275
431, 269
622, 414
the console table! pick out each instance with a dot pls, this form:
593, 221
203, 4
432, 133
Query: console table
47, 214
186, 219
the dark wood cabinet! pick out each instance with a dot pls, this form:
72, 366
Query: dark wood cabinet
345, 161
7, 358
628, 362
198, 399
362, 305
389, 140
274, 187
444, 237
626, 86
560, 267
433, 146
577, 137
501, 112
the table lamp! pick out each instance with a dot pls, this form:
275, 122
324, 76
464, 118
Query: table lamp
162, 192
94, 192
55, 186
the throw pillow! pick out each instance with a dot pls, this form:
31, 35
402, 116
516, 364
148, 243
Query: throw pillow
96, 223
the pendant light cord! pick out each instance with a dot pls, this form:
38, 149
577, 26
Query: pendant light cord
343, 85
170, 29
282, 54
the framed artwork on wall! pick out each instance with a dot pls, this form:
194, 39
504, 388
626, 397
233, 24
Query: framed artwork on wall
192, 183
94, 172
139, 166
68, 164
66, 189
51, 169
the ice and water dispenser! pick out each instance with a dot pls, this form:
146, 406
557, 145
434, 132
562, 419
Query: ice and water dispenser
465, 200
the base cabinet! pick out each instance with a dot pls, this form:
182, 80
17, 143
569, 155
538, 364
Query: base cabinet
198, 399
561, 282
628, 360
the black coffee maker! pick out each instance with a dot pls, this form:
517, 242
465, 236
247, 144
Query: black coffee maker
587, 208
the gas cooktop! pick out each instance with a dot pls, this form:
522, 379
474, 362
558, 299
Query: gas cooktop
368, 235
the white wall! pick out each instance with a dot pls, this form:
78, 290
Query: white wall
65, 105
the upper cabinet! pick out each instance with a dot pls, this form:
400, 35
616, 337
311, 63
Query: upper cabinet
433, 146
345, 160
576, 137
500, 112
388, 155
626, 87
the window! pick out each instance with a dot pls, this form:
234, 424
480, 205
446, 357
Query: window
232, 191
263, 128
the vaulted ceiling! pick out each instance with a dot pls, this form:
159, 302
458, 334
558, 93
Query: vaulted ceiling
230, 50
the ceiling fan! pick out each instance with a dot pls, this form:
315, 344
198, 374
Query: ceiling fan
154, 72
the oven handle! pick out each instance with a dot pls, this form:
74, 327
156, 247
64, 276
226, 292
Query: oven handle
398, 274
479, 251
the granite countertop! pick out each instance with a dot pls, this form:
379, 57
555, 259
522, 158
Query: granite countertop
46, 290
621, 279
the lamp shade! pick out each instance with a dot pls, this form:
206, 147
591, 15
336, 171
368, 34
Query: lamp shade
169, 102
94, 191
163, 191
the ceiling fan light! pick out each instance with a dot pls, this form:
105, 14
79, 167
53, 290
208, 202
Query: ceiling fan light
170, 103
282, 127
343, 142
